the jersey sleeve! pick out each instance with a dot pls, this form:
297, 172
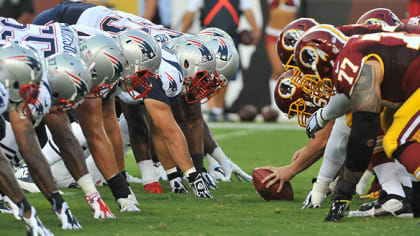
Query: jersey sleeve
170, 73
4, 99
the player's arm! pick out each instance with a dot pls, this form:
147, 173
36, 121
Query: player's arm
90, 118
30, 148
113, 130
70, 149
307, 156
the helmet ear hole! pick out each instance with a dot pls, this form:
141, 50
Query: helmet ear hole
16, 85
186, 64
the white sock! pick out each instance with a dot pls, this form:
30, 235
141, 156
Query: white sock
217, 110
86, 183
319, 190
219, 155
189, 171
328, 170
405, 177
212, 163
170, 171
147, 172
388, 178
363, 182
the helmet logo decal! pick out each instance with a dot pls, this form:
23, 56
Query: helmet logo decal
146, 48
31, 62
205, 52
117, 65
286, 89
290, 38
172, 84
308, 57
222, 50
81, 87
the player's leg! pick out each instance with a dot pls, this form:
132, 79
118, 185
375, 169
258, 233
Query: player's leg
139, 136
176, 145
91, 117
334, 156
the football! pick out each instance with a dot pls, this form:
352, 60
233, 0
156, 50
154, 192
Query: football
246, 37
248, 113
270, 193
269, 114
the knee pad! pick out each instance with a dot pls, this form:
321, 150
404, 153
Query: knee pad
362, 140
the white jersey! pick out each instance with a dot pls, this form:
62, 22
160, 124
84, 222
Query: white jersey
46, 39
4, 98
115, 22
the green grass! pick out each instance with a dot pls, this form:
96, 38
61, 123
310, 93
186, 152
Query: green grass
236, 208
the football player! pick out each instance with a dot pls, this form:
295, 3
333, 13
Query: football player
21, 114
49, 40
359, 74
9, 185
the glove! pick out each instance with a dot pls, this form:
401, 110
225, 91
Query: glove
34, 225
100, 209
338, 210
198, 186
177, 185
68, 220
315, 123
217, 173
229, 167
154, 187
208, 179
308, 202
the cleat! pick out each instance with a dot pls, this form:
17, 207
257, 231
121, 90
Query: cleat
338, 210
387, 204
34, 225
177, 185
67, 219
25, 180
231, 168
127, 205
154, 187
198, 185
100, 209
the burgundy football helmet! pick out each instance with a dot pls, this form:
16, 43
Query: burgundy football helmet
290, 35
315, 54
382, 16
293, 100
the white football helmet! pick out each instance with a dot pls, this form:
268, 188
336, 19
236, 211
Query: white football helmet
69, 79
198, 63
227, 57
213, 31
103, 54
144, 56
21, 72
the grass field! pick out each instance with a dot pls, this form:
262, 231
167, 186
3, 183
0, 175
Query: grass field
236, 208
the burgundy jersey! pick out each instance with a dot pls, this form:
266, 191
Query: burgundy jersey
412, 21
397, 53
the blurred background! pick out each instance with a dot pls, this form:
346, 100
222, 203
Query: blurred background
251, 85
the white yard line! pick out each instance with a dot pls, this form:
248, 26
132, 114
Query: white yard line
256, 126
